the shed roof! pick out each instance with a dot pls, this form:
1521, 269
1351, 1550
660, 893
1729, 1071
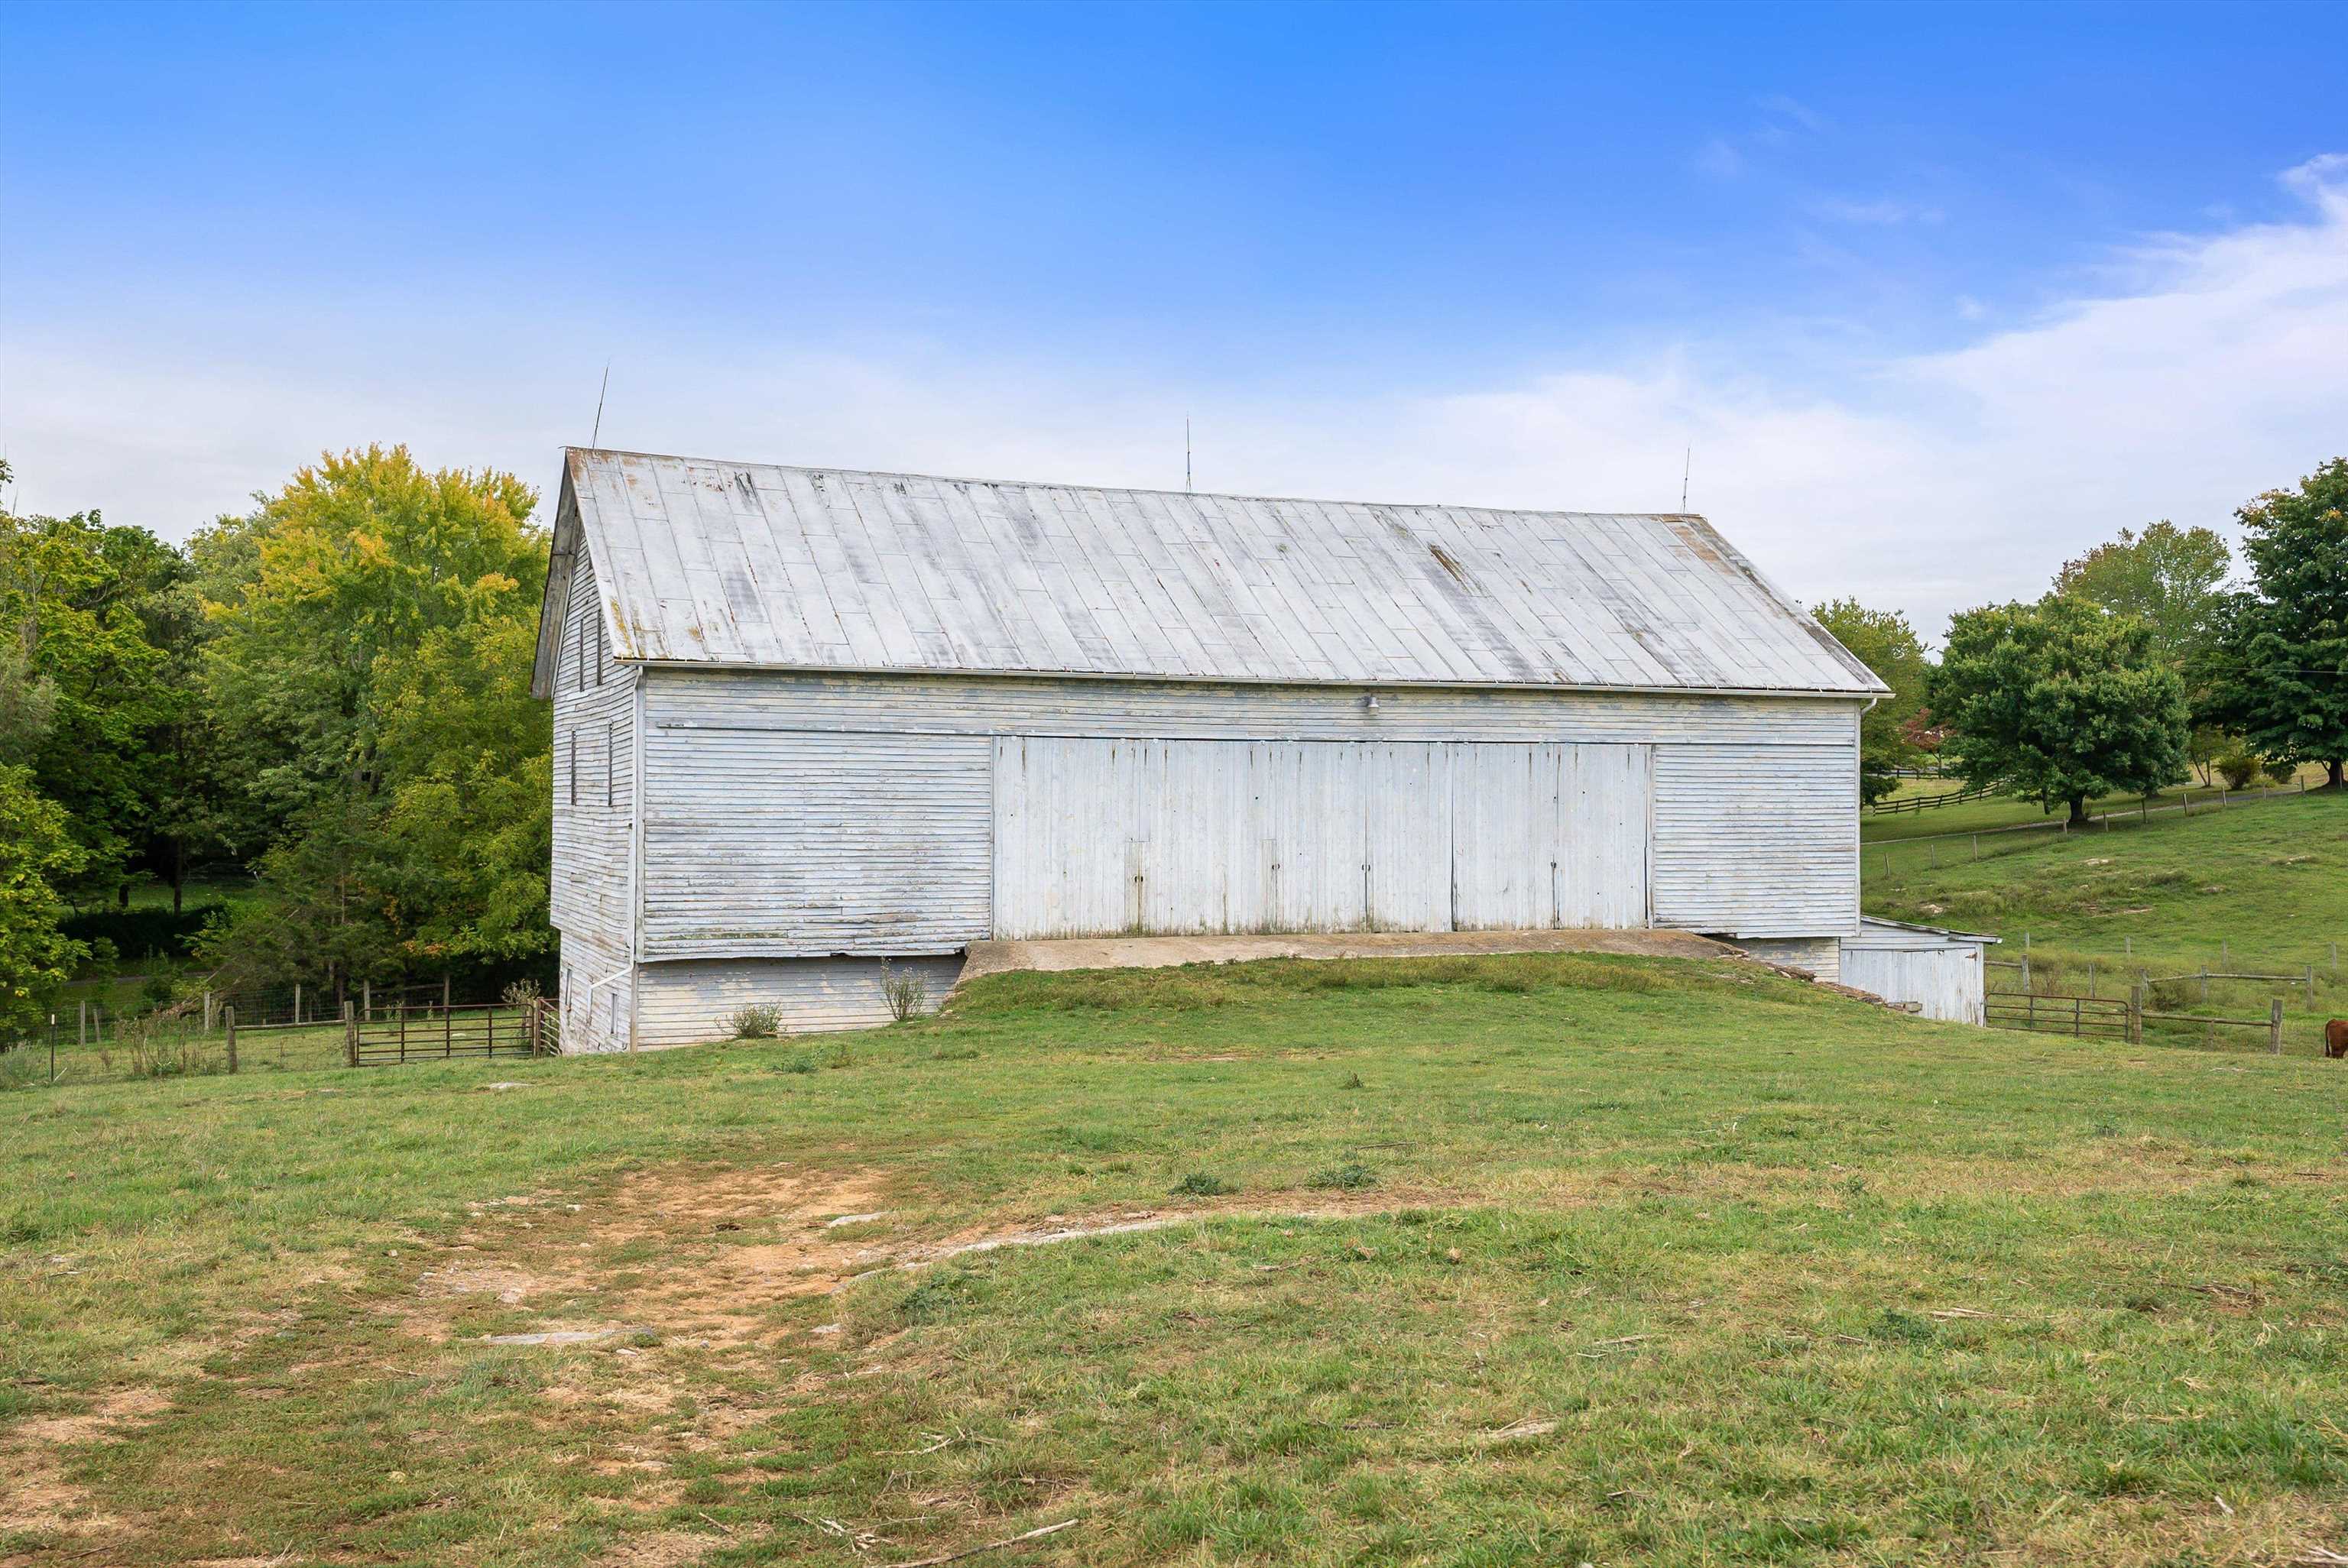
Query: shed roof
759, 565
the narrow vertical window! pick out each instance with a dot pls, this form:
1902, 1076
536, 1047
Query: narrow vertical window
611, 763
574, 769
600, 650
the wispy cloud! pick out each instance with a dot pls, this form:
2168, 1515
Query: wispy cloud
1784, 107
1719, 158
1881, 213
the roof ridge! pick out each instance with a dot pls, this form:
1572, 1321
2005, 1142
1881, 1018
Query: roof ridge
1131, 489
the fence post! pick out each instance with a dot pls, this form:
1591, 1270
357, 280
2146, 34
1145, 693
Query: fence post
2127, 947
444, 990
2205, 985
1976, 838
2091, 977
2135, 1015
400, 1009
297, 1001
350, 1034
82, 1012
228, 1016
2274, 1027
448, 1022
366, 1000
207, 1012
531, 1023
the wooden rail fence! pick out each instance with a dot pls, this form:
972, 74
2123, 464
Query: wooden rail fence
2110, 1018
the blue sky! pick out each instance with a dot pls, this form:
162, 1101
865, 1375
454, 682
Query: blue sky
1938, 295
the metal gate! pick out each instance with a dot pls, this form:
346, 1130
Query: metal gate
428, 1032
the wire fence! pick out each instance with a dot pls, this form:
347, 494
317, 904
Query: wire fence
90, 1043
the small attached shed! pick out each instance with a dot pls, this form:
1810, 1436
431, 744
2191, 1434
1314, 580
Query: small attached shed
1940, 974
808, 722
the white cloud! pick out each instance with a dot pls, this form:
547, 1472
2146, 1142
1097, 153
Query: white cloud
2209, 371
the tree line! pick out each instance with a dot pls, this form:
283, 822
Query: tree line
327, 696
2140, 661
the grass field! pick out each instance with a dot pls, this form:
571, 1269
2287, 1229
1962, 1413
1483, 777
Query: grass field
1545, 1259
2000, 813
2261, 887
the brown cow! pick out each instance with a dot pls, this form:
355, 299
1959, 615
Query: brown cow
2335, 1038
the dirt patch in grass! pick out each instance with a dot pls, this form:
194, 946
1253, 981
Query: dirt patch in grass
712, 1257
669, 1548
38, 1499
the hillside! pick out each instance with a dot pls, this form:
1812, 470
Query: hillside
2261, 887
1498, 1260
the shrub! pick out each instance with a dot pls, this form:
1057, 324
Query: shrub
521, 993
2237, 768
2281, 770
907, 992
756, 1022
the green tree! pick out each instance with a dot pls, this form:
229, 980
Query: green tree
372, 624
2169, 577
91, 684
37, 852
2278, 671
1884, 641
2059, 701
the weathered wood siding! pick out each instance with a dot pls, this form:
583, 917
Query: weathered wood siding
796, 844
804, 816
1550, 837
1941, 972
688, 698
592, 901
1094, 837
1758, 841
690, 1001
1822, 956
1943, 983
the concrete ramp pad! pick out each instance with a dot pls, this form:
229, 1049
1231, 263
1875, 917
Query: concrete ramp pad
1165, 952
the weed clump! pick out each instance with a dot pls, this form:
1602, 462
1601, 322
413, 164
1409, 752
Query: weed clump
1347, 1178
755, 1022
1199, 1185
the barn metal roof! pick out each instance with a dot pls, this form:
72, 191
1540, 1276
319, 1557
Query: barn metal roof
759, 565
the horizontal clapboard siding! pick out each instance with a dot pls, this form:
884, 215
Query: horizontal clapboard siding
687, 1002
781, 845
1943, 983
1822, 956
591, 898
987, 705
1757, 842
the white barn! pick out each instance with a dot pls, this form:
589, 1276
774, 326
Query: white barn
807, 721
